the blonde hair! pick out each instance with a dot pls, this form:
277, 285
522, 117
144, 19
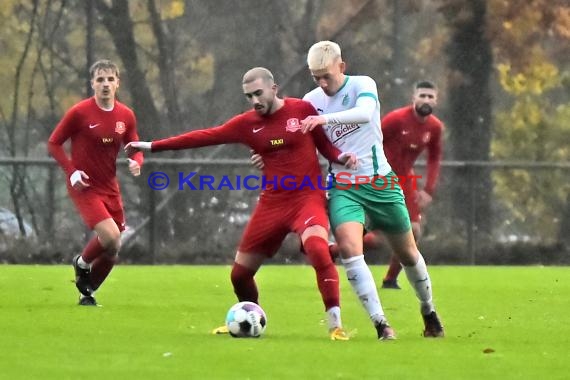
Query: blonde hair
322, 54
256, 73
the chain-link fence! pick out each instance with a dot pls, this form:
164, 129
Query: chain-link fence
519, 216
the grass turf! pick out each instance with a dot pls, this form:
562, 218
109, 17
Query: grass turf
155, 323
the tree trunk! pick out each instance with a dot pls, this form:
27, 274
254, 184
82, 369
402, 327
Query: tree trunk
89, 42
117, 20
470, 123
165, 53
399, 95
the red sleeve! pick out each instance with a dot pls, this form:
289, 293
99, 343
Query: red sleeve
132, 135
324, 146
62, 132
138, 157
434, 153
390, 126
224, 134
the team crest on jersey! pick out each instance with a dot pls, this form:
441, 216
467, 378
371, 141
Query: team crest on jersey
293, 125
120, 127
425, 137
345, 100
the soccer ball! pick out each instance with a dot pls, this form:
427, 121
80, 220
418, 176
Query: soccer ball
246, 320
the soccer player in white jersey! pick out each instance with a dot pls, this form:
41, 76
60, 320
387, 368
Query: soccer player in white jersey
349, 111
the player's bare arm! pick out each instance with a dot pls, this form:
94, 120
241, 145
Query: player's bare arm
137, 146
349, 160
257, 161
134, 167
424, 199
311, 122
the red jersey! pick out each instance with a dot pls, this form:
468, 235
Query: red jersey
405, 138
276, 137
96, 137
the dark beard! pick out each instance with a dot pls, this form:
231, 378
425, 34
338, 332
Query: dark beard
424, 110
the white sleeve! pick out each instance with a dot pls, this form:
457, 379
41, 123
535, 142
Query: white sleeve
362, 112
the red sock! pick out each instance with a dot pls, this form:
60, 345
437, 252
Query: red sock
244, 283
100, 269
92, 250
394, 269
317, 250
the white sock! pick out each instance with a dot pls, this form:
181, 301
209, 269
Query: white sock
82, 264
334, 317
363, 284
419, 279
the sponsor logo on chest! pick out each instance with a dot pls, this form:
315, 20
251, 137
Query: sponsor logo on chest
341, 130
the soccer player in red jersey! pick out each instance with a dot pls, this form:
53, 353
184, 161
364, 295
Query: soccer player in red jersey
272, 128
97, 127
408, 132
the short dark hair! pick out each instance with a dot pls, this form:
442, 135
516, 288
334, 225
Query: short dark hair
103, 64
256, 73
425, 84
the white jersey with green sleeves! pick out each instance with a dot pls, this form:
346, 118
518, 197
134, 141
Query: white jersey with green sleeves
364, 139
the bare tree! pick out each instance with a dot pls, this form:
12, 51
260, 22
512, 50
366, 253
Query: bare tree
17, 181
165, 64
118, 22
470, 63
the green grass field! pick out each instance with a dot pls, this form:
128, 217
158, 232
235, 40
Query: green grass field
155, 323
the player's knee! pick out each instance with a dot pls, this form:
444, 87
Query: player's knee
240, 274
408, 257
115, 248
235, 276
320, 262
111, 243
350, 249
317, 251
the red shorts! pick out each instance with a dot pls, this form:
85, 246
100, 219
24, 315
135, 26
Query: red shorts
94, 207
411, 195
273, 218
